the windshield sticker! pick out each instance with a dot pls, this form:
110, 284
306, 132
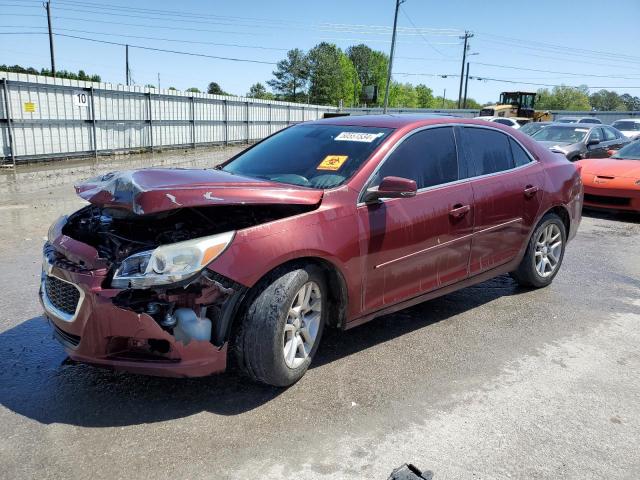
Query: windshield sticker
332, 162
583, 130
357, 137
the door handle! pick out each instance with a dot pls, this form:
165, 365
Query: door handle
459, 210
530, 191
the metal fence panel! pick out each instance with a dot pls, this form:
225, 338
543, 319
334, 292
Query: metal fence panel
50, 117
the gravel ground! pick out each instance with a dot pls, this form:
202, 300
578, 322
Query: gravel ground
492, 381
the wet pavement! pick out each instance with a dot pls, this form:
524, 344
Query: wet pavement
492, 381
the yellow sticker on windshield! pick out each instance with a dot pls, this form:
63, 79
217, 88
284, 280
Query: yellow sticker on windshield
332, 162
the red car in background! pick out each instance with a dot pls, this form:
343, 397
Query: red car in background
330, 223
613, 183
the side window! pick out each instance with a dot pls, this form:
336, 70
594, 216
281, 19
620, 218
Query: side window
489, 150
609, 134
429, 157
504, 122
520, 157
596, 134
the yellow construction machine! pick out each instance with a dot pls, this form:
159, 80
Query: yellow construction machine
516, 104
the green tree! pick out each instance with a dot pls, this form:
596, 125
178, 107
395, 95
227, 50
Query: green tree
193, 90
630, 102
425, 96
563, 98
402, 95
332, 76
371, 69
172, 88
291, 76
258, 90
81, 75
149, 85
215, 89
606, 100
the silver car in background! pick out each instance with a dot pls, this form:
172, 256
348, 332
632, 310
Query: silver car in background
579, 120
578, 141
630, 127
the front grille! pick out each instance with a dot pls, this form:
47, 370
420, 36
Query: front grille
63, 295
606, 200
65, 338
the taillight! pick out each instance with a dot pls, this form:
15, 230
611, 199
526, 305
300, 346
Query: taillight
611, 152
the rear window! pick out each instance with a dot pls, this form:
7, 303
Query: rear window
489, 150
316, 156
626, 125
590, 120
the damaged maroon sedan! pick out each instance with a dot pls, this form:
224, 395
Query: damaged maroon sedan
181, 272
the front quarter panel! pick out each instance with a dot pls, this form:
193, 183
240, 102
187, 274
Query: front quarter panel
329, 233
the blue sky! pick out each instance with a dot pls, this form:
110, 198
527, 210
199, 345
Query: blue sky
572, 38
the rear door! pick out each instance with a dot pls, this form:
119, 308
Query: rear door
507, 195
413, 245
614, 140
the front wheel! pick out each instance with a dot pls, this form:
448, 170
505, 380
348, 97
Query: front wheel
544, 254
282, 326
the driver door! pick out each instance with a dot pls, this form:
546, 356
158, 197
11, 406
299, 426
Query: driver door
413, 245
599, 150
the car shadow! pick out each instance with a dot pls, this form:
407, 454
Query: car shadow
39, 382
618, 216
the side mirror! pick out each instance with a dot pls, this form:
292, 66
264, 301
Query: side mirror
391, 187
593, 141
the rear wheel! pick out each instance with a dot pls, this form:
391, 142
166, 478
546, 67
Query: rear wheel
282, 326
544, 254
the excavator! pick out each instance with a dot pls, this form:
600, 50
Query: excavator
516, 105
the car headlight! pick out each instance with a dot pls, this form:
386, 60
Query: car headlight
170, 263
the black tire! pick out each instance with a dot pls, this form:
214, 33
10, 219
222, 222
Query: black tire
527, 274
257, 345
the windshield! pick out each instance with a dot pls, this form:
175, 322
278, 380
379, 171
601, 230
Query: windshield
629, 152
531, 128
316, 156
626, 125
561, 134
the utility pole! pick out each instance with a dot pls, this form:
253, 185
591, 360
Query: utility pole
393, 47
466, 84
158, 82
466, 38
444, 97
47, 6
127, 63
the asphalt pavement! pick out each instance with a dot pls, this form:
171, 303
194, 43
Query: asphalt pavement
490, 382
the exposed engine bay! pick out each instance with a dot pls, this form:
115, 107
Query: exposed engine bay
199, 308
118, 233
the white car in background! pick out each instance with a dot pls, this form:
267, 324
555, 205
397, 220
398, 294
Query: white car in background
515, 122
629, 126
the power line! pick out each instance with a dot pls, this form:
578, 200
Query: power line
155, 38
555, 47
232, 59
423, 37
616, 76
502, 80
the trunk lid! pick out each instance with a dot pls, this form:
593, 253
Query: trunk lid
156, 190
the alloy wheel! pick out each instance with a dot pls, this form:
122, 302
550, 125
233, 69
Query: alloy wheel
548, 250
303, 323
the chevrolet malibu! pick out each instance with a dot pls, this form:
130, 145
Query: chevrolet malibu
182, 272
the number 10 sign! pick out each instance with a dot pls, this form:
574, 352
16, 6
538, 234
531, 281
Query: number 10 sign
80, 99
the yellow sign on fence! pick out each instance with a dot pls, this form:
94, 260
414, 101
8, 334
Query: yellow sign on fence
29, 107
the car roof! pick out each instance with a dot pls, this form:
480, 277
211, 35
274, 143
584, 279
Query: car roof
577, 118
393, 120
576, 125
636, 120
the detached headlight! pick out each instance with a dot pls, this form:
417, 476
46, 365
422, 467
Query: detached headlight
170, 263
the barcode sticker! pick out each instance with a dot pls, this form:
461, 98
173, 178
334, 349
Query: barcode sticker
357, 137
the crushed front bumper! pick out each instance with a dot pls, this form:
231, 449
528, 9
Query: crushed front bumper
94, 330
